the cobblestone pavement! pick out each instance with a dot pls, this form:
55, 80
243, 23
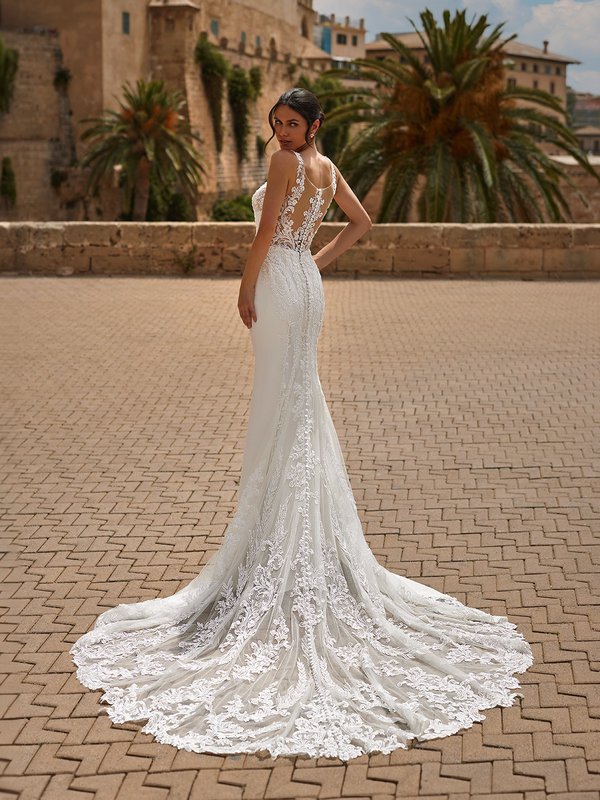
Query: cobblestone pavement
468, 414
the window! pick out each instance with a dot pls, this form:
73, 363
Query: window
523, 66
535, 84
547, 69
257, 42
511, 83
243, 38
536, 68
214, 26
558, 71
552, 88
125, 22
341, 38
354, 41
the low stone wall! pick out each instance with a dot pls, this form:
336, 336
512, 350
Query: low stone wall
208, 248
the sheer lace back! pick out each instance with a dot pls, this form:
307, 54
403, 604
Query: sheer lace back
302, 211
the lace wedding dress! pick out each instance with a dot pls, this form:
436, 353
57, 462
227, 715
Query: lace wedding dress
293, 639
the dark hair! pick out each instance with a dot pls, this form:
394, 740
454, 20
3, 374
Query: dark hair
304, 102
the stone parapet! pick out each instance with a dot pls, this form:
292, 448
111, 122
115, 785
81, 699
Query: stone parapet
221, 248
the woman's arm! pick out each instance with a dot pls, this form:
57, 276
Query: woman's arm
282, 168
359, 224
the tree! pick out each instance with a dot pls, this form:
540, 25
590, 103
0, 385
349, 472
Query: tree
450, 135
148, 138
334, 135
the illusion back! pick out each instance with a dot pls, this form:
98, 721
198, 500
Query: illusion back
302, 211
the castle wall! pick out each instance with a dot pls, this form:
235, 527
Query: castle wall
174, 32
80, 41
36, 133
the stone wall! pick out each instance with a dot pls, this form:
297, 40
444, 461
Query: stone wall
198, 249
36, 133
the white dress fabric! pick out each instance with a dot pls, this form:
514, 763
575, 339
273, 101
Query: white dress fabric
293, 639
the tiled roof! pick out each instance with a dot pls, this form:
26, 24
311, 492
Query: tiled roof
513, 48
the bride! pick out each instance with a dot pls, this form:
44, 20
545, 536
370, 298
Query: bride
293, 639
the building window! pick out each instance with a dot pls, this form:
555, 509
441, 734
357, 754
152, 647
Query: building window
341, 38
214, 27
243, 38
536, 68
535, 84
558, 71
523, 66
354, 41
547, 69
511, 83
125, 22
257, 43
552, 88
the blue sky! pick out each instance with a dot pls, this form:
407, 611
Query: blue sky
571, 26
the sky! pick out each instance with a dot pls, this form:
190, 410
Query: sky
572, 27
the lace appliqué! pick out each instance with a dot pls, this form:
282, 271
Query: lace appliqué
296, 229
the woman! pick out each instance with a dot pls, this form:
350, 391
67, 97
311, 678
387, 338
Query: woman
293, 639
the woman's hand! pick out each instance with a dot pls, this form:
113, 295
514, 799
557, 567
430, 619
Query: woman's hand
246, 303
318, 259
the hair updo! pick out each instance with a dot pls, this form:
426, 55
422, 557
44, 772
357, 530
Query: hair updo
304, 102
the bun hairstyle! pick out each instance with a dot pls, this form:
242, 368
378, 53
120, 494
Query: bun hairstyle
304, 102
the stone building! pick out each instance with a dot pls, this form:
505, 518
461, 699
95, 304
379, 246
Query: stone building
589, 139
586, 110
106, 44
343, 40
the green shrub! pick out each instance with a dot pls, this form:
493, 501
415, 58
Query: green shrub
62, 77
214, 72
8, 184
239, 93
9, 62
237, 209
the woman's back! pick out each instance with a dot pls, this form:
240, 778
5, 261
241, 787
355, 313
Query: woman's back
303, 209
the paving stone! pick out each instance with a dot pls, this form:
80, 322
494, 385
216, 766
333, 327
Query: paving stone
467, 413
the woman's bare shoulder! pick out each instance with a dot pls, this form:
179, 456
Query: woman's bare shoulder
283, 157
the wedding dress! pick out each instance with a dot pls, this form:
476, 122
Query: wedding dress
293, 639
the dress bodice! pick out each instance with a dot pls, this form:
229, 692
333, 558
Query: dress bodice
302, 210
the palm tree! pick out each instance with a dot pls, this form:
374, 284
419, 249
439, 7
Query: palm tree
335, 136
148, 138
450, 135
9, 62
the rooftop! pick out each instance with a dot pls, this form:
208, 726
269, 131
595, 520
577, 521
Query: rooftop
412, 39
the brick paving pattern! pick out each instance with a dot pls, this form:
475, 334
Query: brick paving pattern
468, 414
